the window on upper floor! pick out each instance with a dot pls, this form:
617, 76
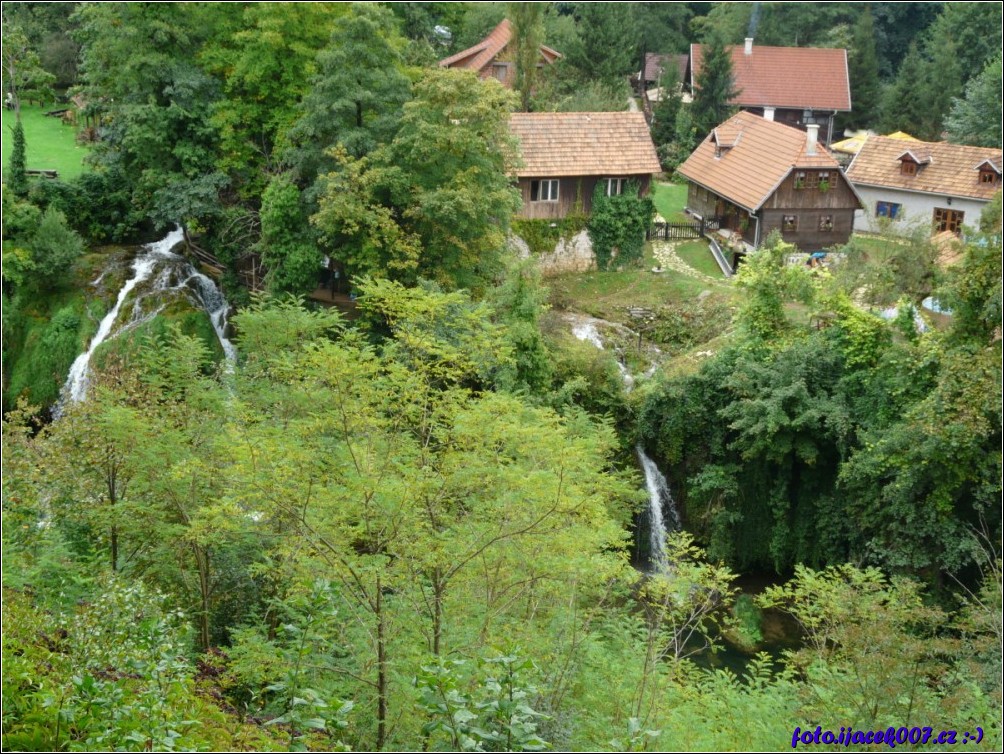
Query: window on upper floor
989, 177
908, 168
789, 223
825, 223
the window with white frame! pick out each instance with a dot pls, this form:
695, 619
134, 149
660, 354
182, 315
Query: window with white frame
544, 190
615, 186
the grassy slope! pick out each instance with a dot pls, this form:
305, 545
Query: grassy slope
51, 145
698, 255
670, 199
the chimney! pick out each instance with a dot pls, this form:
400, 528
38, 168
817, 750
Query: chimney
749, 45
768, 113
811, 136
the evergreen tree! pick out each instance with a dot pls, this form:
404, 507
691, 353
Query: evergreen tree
665, 112
17, 179
903, 106
864, 74
527, 34
944, 81
714, 87
976, 118
606, 44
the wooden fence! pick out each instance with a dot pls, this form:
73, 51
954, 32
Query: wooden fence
679, 231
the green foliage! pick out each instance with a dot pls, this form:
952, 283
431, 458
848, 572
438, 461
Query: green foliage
527, 36
667, 109
975, 118
617, 226
769, 282
497, 716
17, 179
542, 236
40, 373
356, 97
287, 248
44, 259
714, 88
605, 49
436, 201
863, 70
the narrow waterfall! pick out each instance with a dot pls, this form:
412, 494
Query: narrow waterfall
663, 516
173, 273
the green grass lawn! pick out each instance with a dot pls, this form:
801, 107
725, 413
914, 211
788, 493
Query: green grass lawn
670, 199
51, 145
609, 294
698, 255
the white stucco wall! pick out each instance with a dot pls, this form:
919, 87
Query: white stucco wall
918, 209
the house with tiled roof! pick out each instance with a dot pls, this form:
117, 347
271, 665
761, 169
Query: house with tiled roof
797, 86
753, 175
494, 56
904, 183
566, 155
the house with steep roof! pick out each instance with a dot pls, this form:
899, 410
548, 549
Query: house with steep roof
566, 155
754, 175
797, 86
494, 56
904, 183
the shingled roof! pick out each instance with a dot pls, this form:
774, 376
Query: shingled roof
569, 144
484, 52
762, 154
950, 169
812, 78
656, 63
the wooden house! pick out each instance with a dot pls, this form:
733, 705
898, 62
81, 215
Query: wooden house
494, 56
565, 156
903, 183
755, 175
797, 86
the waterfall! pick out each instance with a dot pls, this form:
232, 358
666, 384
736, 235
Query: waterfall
174, 273
663, 516
587, 331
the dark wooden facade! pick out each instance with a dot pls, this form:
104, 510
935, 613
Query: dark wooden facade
801, 118
816, 216
573, 193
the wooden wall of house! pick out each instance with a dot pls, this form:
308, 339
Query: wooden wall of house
808, 236
571, 192
702, 201
838, 196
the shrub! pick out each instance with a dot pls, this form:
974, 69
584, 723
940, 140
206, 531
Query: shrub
618, 224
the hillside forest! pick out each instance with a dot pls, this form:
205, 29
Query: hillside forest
300, 453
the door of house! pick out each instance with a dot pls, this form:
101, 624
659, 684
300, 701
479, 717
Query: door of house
948, 219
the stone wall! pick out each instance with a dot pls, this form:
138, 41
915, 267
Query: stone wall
573, 254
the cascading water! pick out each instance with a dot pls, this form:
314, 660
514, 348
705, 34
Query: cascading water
663, 516
173, 273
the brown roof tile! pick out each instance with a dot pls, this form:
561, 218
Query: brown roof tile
484, 52
952, 170
565, 144
656, 62
812, 78
764, 153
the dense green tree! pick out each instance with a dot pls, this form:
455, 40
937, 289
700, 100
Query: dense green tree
667, 109
527, 36
975, 30
975, 118
606, 45
442, 182
864, 73
714, 86
356, 97
661, 27
265, 67
903, 107
287, 247
23, 75
17, 178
